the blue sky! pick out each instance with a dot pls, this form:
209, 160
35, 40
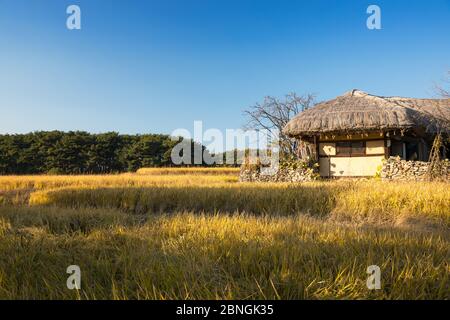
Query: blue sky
154, 66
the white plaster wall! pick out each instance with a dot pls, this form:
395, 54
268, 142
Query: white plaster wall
350, 166
375, 147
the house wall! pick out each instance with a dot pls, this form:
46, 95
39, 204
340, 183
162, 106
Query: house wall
327, 149
375, 147
350, 166
332, 164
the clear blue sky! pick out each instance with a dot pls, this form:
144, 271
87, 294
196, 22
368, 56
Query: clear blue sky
154, 66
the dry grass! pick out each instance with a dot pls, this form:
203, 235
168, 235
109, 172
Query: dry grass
205, 236
189, 171
354, 201
43, 182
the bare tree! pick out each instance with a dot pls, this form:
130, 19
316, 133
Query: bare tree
273, 114
444, 89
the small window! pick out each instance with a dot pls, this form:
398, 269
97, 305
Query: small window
412, 151
350, 148
358, 148
397, 149
343, 148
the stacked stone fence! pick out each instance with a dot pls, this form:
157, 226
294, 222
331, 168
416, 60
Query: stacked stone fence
395, 168
287, 172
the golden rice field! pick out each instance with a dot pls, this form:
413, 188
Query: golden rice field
200, 234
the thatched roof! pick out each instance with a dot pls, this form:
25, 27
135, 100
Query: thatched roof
357, 111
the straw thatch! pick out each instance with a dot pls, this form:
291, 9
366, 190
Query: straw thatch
357, 111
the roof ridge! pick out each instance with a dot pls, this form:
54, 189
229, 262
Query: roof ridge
360, 93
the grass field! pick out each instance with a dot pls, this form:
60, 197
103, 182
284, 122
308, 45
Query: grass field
200, 234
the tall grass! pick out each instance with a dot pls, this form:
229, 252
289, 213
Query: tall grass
192, 256
171, 234
353, 201
189, 171
11, 183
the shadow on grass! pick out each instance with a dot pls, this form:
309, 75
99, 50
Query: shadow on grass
287, 200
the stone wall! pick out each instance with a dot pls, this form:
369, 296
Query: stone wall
393, 168
396, 169
282, 175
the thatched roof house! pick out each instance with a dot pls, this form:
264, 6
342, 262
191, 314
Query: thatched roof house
359, 111
362, 129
